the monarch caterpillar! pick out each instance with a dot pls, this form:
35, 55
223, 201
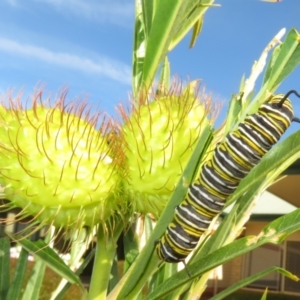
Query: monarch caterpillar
232, 160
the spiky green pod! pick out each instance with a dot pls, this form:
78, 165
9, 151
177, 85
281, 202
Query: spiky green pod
160, 137
56, 165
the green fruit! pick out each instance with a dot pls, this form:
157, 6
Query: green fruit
159, 139
56, 165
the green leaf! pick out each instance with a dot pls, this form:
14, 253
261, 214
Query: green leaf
264, 296
140, 40
165, 75
192, 16
271, 63
162, 274
250, 279
275, 232
78, 272
279, 158
152, 41
19, 275
287, 59
148, 11
35, 281
229, 228
131, 248
114, 277
283, 61
4, 266
235, 106
196, 31
148, 226
41, 250
158, 41
146, 263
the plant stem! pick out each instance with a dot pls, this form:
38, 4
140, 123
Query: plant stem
133, 294
105, 253
199, 287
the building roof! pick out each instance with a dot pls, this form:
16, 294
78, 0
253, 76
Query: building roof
288, 188
269, 204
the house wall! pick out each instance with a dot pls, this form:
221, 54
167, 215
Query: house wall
254, 228
234, 270
231, 273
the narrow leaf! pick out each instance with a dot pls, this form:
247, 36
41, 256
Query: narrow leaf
35, 281
264, 296
287, 59
271, 63
275, 232
114, 277
165, 75
131, 248
145, 264
138, 51
235, 106
78, 272
4, 266
148, 10
159, 39
41, 250
191, 13
19, 275
196, 31
250, 279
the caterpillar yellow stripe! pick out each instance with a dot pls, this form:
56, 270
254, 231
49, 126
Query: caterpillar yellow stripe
219, 177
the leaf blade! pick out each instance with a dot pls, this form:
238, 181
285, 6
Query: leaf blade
19, 276
4, 267
41, 250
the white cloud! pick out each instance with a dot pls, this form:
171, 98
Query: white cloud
104, 66
113, 11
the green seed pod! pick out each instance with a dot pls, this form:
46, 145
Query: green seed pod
56, 165
160, 137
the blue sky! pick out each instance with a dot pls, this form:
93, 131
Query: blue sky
87, 47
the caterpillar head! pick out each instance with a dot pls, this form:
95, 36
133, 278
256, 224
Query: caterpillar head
286, 103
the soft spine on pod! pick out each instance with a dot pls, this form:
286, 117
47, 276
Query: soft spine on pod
56, 164
159, 137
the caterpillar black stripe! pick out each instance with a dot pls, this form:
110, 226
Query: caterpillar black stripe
232, 160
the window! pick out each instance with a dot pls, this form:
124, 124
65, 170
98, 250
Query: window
292, 264
286, 255
260, 259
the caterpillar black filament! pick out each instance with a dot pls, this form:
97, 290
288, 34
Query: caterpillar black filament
232, 160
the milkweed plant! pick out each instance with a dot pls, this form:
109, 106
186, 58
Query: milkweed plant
89, 180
